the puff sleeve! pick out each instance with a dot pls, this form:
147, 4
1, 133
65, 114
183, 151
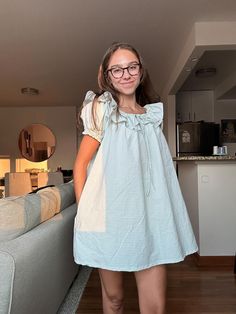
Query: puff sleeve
93, 128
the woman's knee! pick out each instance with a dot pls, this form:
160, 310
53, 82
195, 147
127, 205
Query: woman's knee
112, 290
151, 285
116, 302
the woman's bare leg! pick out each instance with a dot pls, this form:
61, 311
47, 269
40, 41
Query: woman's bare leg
151, 284
112, 291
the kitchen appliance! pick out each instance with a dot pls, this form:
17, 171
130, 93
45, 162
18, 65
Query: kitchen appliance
197, 138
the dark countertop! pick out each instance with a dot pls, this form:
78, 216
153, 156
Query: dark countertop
205, 158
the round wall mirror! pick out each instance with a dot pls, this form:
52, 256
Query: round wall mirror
37, 142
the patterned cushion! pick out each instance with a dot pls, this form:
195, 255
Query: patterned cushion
22, 213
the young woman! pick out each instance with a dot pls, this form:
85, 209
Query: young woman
131, 214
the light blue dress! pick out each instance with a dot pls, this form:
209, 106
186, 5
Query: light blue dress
131, 214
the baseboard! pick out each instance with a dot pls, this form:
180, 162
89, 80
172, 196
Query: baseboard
214, 260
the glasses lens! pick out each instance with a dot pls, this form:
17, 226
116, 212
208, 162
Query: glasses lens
117, 72
133, 69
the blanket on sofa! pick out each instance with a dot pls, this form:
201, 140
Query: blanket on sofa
20, 214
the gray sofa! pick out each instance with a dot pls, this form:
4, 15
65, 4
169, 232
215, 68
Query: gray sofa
36, 256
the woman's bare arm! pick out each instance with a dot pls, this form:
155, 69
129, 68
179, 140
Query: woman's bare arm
88, 148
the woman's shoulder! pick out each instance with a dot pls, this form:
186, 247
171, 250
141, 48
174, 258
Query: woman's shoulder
105, 99
154, 113
155, 108
98, 106
96, 112
157, 105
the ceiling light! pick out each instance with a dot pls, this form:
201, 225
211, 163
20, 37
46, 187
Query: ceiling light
205, 72
29, 91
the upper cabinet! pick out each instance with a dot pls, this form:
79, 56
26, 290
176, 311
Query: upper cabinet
195, 106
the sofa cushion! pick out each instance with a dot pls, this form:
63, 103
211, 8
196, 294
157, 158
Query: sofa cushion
22, 213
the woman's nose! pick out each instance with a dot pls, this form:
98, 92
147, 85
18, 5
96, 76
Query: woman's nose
126, 73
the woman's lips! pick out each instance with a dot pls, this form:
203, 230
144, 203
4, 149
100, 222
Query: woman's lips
127, 83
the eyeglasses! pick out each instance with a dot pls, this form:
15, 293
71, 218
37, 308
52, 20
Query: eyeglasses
132, 69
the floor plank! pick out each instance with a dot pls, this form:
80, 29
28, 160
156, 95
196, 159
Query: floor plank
191, 289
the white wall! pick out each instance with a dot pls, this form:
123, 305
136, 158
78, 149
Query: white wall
61, 120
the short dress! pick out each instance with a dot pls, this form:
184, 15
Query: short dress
131, 213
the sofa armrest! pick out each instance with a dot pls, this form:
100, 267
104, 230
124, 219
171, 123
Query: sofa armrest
39, 265
7, 270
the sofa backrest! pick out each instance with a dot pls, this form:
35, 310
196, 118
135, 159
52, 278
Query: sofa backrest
20, 214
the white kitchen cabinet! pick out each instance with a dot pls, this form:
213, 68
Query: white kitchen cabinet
195, 106
208, 188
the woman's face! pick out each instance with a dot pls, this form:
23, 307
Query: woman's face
124, 71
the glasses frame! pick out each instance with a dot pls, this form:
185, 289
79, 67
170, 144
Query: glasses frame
126, 68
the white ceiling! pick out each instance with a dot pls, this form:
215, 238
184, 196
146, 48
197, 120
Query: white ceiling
56, 45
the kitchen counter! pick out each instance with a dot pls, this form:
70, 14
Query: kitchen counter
205, 158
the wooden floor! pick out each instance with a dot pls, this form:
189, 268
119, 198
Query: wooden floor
191, 290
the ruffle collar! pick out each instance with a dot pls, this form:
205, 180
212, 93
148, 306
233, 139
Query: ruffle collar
153, 114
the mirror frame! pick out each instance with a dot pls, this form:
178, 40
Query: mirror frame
40, 150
